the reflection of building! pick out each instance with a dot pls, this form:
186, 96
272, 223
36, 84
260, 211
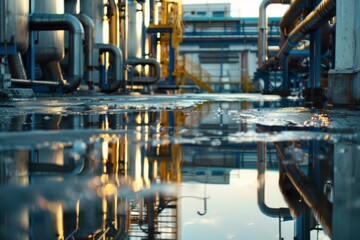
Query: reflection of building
87, 182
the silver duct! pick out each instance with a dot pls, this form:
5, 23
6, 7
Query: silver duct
46, 22
134, 31
116, 62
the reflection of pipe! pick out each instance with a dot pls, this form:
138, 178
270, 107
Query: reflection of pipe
46, 22
205, 208
263, 24
151, 62
261, 165
89, 38
116, 59
313, 196
322, 13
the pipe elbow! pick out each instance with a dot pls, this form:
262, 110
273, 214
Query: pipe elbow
117, 65
53, 22
74, 83
143, 62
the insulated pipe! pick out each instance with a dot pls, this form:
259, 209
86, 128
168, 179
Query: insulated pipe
263, 25
53, 22
292, 15
321, 14
116, 59
308, 190
261, 167
113, 15
89, 37
145, 80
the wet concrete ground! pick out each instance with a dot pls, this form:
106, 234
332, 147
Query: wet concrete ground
192, 166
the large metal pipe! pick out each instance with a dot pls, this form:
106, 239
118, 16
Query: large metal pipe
261, 167
89, 30
143, 62
263, 25
321, 14
308, 190
53, 22
16, 66
116, 62
113, 15
292, 15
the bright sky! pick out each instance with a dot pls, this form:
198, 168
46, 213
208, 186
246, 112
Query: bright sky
245, 8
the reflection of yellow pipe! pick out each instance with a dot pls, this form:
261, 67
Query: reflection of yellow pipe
59, 218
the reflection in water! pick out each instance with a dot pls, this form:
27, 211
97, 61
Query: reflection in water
174, 168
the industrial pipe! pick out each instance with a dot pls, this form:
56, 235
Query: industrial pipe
145, 80
292, 15
53, 22
116, 59
308, 190
113, 15
89, 37
261, 167
263, 25
16, 66
321, 14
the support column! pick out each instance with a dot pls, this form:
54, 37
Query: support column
344, 79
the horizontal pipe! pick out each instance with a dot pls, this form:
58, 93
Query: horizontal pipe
321, 14
143, 62
261, 167
116, 61
308, 190
263, 25
36, 82
53, 22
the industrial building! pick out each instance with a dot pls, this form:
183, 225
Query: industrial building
144, 119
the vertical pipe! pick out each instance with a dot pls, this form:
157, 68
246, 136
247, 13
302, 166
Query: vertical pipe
116, 59
113, 16
315, 57
3, 28
261, 167
262, 25
89, 37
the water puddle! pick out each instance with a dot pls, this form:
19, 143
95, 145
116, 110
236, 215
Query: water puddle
175, 167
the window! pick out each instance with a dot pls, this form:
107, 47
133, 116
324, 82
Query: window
218, 13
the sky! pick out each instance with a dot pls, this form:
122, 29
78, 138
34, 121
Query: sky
245, 8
